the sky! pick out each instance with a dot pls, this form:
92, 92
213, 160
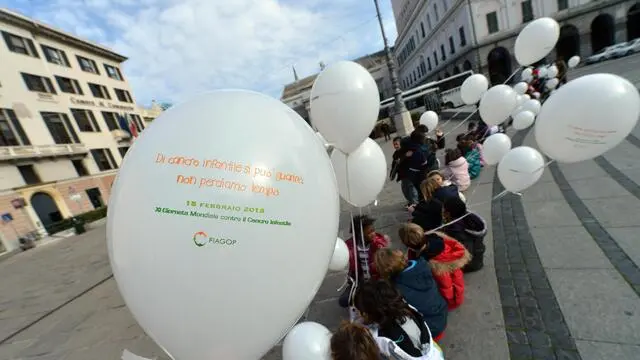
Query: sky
179, 48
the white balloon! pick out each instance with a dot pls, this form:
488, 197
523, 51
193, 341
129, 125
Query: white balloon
495, 147
521, 87
472, 88
552, 83
340, 257
429, 119
573, 61
587, 117
527, 74
526, 96
532, 105
497, 104
344, 104
552, 71
536, 40
520, 99
542, 72
307, 341
520, 168
523, 120
360, 174
536, 95
193, 202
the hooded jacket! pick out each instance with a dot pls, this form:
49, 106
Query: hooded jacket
473, 159
428, 214
364, 256
458, 172
445, 192
447, 271
470, 231
419, 289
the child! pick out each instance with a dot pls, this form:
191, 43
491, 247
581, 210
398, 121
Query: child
456, 169
398, 328
362, 260
354, 341
428, 212
470, 231
446, 266
413, 279
399, 172
471, 154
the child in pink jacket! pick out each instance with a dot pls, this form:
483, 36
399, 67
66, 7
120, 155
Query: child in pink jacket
456, 169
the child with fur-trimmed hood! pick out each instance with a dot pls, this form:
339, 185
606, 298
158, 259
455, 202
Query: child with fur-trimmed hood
446, 265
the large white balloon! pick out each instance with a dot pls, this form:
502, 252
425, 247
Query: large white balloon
542, 72
429, 119
472, 88
552, 83
201, 197
344, 104
523, 120
587, 117
307, 341
520, 168
527, 74
521, 87
552, 71
573, 61
536, 95
340, 257
532, 105
497, 104
536, 40
361, 174
520, 99
495, 147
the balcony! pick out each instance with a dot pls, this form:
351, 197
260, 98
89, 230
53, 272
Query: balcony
120, 135
11, 153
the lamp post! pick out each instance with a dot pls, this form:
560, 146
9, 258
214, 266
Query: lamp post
401, 116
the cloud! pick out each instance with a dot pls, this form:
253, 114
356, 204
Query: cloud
178, 48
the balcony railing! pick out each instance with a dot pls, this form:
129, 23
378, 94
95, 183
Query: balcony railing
120, 135
40, 151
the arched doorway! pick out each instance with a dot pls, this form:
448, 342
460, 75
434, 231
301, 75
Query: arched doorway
467, 65
568, 44
602, 32
46, 208
456, 70
633, 22
499, 61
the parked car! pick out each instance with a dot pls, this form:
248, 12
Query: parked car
629, 48
603, 55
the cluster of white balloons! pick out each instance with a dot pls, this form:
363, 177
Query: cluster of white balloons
581, 120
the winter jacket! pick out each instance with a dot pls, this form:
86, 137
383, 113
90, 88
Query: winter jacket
458, 172
470, 231
419, 289
480, 148
445, 192
399, 165
473, 159
435, 248
428, 214
365, 256
447, 271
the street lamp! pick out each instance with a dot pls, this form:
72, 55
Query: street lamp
401, 117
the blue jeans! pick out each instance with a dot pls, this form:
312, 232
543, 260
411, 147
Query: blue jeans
409, 191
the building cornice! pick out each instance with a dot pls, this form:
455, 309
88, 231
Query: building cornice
47, 31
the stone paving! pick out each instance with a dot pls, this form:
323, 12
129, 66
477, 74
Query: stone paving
560, 279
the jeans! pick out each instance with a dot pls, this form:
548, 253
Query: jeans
409, 191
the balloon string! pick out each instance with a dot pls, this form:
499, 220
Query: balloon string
355, 259
462, 123
534, 171
452, 117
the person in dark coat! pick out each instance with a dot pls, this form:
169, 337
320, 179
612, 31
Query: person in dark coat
400, 169
414, 280
470, 231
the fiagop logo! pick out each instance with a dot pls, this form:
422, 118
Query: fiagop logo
201, 239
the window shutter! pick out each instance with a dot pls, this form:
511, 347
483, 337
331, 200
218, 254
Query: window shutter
70, 128
50, 85
65, 58
95, 66
32, 48
16, 125
7, 40
112, 160
77, 86
92, 118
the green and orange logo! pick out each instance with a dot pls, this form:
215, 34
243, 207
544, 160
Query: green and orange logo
200, 238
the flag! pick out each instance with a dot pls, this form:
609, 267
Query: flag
132, 128
124, 125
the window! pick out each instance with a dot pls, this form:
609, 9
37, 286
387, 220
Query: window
104, 159
452, 47
38, 83
55, 56
20, 45
80, 168
443, 53
435, 11
138, 122
87, 65
69, 86
563, 4
422, 29
429, 22
123, 151
429, 63
435, 58
492, 22
11, 131
113, 72
463, 38
29, 174
123, 95
60, 128
99, 91
527, 11
85, 119
111, 119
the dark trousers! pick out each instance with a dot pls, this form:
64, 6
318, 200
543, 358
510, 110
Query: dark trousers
343, 300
